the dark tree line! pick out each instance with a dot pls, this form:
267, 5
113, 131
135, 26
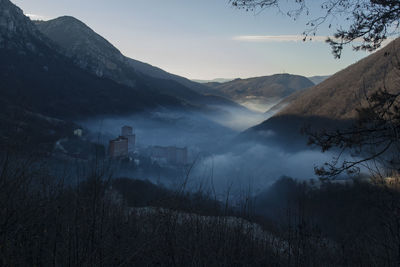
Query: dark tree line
99, 221
356, 222
45, 221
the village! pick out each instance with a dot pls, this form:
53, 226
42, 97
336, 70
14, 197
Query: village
124, 147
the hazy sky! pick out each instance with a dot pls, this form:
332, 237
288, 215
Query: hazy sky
201, 39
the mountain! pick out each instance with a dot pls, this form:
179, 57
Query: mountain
318, 79
35, 76
334, 102
286, 101
92, 52
339, 96
45, 87
16, 30
261, 93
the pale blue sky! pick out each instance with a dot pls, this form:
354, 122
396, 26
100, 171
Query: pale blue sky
200, 39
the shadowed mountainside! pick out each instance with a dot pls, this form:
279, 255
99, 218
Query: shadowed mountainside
37, 77
41, 89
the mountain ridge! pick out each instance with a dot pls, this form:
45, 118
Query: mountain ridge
91, 51
37, 76
261, 93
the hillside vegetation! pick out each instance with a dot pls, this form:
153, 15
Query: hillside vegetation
339, 96
332, 104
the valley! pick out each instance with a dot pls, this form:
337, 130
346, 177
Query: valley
106, 160
241, 129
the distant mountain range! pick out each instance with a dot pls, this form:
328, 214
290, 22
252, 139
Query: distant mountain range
315, 79
261, 93
58, 51
57, 71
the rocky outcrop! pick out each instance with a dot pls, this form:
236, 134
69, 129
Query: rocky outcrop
16, 30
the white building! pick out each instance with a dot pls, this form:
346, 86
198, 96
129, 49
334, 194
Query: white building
78, 132
127, 132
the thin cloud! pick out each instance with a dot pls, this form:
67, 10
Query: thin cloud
36, 17
293, 38
278, 38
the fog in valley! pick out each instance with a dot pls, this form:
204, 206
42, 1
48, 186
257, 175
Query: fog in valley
217, 159
112, 154
260, 104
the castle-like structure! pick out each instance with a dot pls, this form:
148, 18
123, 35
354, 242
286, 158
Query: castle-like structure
124, 144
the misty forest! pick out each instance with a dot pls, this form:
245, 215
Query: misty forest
107, 160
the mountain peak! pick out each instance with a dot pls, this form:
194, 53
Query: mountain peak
70, 19
84, 38
16, 30
88, 49
67, 24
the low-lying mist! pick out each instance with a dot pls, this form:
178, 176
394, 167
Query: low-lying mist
254, 166
164, 128
171, 127
218, 161
260, 104
239, 119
